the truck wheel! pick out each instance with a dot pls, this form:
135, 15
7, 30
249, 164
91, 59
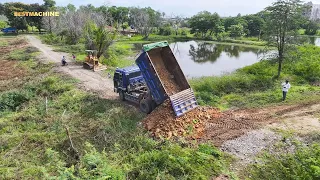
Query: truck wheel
153, 105
145, 106
121, 95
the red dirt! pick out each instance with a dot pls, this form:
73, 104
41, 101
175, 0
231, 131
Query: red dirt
10, 69
163, 123
209, 124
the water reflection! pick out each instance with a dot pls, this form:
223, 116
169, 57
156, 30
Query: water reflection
204, 52
206, 59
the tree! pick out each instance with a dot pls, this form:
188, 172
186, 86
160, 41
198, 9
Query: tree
311, 27
36, 20
203, 22
236, 31
48, 4
119, 14
97, 36
3, 24
71, 8
1, 9
283, 21
228, 22
140, 19
72, 24
255, 25
19, 22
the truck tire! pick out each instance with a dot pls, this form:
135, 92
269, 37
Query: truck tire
121, 95
153, 105
145, 106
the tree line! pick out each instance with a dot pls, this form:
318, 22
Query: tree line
277, 24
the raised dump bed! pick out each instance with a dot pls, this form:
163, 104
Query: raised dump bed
165, 78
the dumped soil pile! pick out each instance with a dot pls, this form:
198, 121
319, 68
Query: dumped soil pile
204, 123
163, 123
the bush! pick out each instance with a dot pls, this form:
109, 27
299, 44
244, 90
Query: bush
50, 38
166, 31
12, 100
174, 162
234, 83
303, 164
183, 31
23, 54
92, 165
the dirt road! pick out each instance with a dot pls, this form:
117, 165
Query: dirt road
89, 80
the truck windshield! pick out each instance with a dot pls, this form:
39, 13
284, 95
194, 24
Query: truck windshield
116, 75
134, 74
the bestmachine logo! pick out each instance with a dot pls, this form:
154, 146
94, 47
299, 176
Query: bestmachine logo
36, 13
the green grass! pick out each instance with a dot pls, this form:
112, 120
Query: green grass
302, 164
23, 54
255, 85
3, 43
39, 138
34, 142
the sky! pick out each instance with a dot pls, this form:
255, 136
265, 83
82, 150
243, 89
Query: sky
184, 8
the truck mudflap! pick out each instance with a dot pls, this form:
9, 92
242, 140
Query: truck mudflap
183, 102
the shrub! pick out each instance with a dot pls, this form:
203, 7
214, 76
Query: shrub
183, 31
166, 31
174, 162
50, 38
303, 164
92, 165
12, 100
23, 54
234, 83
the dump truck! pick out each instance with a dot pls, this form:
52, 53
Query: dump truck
156, 78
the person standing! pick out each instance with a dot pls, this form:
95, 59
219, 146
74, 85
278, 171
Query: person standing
73, 57
285, 88
64, 61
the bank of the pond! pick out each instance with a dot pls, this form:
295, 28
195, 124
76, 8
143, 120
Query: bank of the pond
255, 86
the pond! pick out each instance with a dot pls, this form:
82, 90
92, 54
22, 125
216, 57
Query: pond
315, 41
208, 59
198, 59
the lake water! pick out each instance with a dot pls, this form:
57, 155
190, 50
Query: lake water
315, 41
208, 59
198, 59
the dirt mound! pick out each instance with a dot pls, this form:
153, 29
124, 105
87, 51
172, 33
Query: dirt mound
163, 123
204, 123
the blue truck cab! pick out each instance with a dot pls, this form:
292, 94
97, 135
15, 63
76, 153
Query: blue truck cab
124, 77
156, 78
9, 30
131, 86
